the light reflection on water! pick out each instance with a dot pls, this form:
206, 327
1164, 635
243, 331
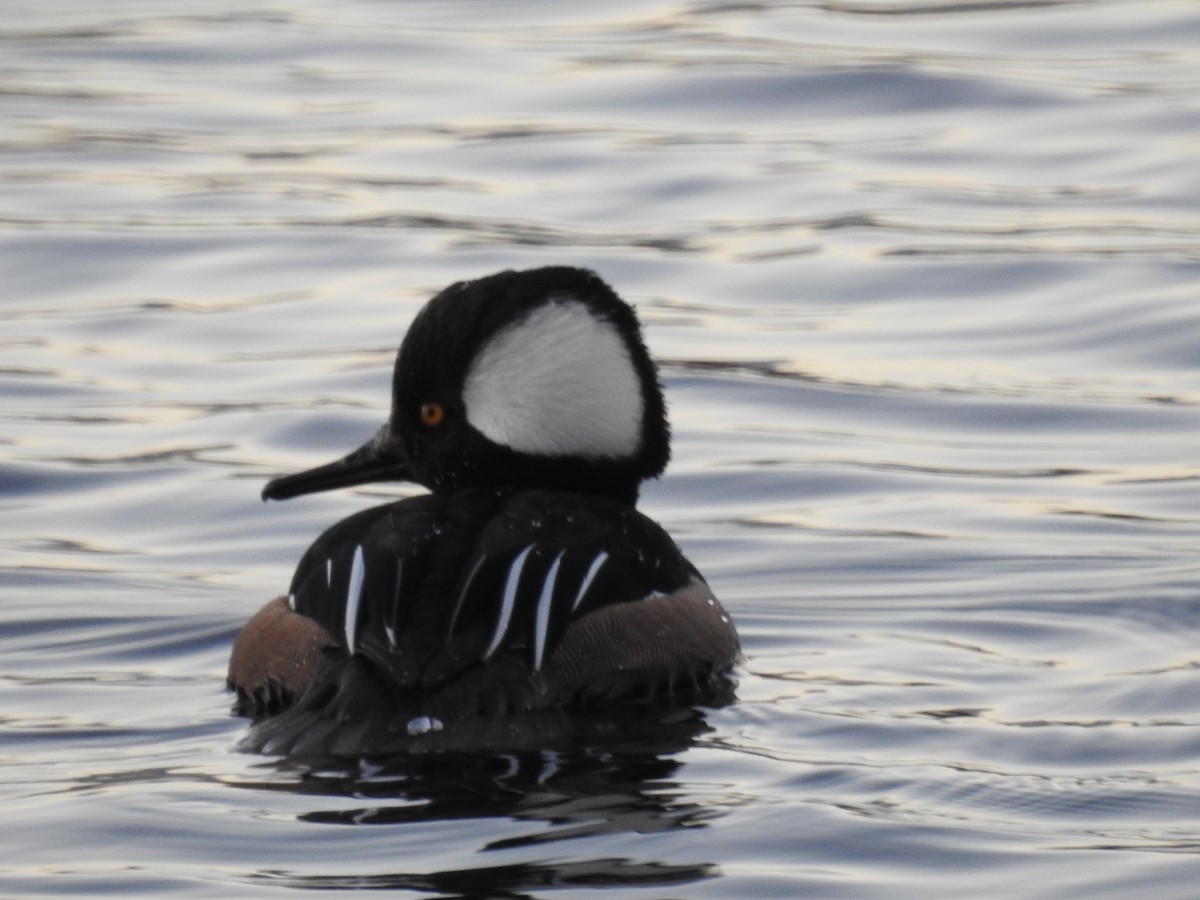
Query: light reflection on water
922, 278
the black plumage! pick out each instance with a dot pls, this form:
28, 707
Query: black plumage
526, 583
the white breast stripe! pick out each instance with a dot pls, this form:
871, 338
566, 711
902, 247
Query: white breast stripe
328, 571
506, 606
543, 612
462, 595
587, 579
390, 627
358, 572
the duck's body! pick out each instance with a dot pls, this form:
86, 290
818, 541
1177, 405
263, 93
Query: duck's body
525, 587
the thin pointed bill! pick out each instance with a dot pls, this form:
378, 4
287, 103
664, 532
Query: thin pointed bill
376, 460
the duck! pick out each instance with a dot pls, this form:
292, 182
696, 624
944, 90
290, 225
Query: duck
523, 592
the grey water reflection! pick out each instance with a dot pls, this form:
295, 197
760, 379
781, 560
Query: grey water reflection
511, 881
569, 795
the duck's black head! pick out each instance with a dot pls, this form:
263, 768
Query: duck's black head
534, 379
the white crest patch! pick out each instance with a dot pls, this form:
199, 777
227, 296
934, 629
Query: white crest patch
558, 382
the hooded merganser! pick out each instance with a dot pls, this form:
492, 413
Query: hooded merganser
525, 587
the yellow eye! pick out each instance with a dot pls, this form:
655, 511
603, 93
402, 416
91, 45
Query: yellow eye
432, 413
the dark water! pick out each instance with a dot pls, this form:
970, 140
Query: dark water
924, 281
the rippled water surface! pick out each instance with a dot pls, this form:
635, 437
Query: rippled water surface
923, 277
